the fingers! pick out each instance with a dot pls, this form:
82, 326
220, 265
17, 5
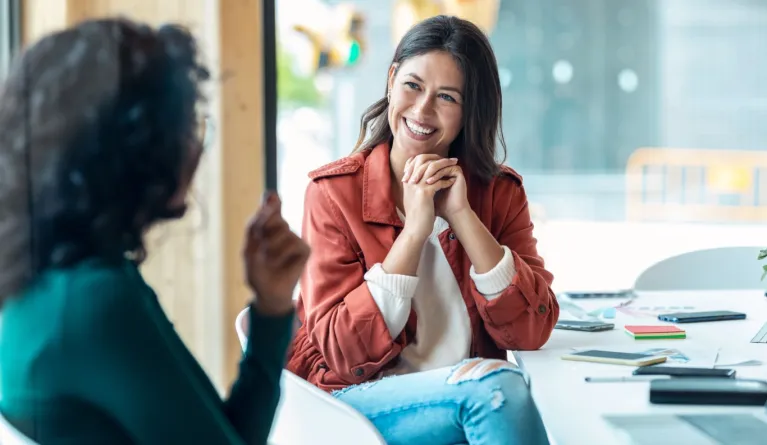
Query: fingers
269, 235
429, 168
266, 220
274, 243
284, 250
440, 169
442, 183
271, 198
432, 189
415, 163
408, 167
417, 174
295, 254
415, 171
277, 246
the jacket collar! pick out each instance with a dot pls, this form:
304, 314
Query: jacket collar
377, 199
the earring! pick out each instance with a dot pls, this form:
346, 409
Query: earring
388, 96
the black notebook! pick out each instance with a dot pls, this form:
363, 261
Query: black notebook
708, 391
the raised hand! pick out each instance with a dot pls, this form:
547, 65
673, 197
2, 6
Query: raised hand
274, 258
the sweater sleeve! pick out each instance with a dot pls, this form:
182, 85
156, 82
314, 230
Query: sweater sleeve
127, 360
492, 283
393, 294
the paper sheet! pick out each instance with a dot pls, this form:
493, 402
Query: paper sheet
687, 357
730, 358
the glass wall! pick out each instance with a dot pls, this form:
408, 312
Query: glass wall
8, 33
637, 125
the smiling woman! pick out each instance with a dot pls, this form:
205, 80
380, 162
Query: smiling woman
430, 110
454, 100
425, 267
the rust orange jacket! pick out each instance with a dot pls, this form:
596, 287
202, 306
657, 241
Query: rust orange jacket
350, 222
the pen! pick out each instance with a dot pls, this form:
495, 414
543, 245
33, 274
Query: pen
636, 378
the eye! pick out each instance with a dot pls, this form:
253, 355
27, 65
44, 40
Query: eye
412, 85
446, 97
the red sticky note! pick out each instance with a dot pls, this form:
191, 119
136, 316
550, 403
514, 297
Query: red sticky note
653, 329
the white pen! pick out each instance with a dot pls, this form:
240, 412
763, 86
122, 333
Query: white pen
635, 378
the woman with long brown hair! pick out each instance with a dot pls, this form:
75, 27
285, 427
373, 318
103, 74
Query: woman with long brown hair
425, 269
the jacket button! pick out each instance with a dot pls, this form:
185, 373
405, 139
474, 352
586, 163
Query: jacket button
542, 309
359, 372
451, 236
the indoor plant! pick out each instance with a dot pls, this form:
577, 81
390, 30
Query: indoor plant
762, 256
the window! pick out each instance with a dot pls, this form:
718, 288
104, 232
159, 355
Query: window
638, 126
9, 33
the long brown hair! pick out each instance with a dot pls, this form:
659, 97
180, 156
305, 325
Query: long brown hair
476, 144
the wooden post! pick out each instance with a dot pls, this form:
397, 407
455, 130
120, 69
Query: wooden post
242, 179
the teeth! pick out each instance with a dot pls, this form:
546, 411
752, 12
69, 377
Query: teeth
417, 129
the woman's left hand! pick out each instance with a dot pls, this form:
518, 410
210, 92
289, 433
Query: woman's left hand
452, 200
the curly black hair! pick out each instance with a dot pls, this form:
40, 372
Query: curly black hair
97, 126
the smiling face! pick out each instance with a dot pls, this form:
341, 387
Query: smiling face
425, 106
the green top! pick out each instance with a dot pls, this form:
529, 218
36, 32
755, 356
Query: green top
89, 357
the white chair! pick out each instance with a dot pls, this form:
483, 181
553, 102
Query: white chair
308, 415
10, 436
724, 268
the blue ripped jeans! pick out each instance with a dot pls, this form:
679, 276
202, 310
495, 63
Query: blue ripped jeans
477, 402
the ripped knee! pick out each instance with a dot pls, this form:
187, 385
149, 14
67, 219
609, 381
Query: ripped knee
478, 369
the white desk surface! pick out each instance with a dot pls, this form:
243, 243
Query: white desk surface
572, 409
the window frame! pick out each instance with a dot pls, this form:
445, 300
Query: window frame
269, 35
10, 35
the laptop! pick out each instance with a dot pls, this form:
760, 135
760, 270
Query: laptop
691, 429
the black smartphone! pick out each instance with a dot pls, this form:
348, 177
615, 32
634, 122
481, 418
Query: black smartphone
679, 371
585, 326
697, 317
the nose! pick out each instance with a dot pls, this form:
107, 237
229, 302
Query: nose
423, 105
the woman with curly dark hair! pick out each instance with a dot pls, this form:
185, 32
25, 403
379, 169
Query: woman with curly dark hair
98, 142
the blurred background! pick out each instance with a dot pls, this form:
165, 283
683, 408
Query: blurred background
638, 125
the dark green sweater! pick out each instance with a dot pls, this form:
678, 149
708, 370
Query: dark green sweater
87, 356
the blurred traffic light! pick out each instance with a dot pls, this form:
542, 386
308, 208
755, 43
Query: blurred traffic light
339, 43
483, 13
406, 13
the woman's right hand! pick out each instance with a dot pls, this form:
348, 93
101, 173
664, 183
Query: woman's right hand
274, 258
418, 196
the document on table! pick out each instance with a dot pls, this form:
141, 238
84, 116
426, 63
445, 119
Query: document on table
687, 357
735, 357
690, 429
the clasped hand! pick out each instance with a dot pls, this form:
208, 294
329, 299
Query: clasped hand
432, 186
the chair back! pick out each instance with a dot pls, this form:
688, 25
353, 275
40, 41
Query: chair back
11, 436
308, 415
724, 268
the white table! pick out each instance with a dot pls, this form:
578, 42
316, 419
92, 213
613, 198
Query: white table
572, 409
